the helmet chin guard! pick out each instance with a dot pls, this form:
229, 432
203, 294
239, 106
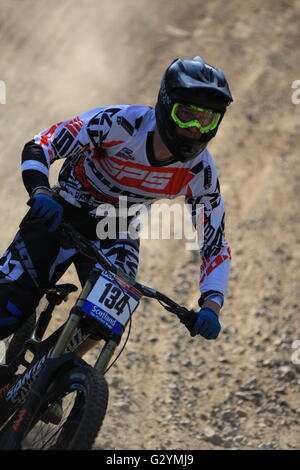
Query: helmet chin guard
190, 82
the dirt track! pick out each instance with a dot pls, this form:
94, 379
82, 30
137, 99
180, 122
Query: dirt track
167, 390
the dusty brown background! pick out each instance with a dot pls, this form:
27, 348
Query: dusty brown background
168, 391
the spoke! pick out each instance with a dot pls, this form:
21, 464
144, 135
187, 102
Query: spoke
43, 435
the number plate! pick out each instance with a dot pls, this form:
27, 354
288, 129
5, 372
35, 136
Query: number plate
111, 304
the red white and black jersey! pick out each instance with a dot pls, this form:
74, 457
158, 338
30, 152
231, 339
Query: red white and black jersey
108, 153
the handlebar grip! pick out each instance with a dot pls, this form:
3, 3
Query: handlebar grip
188, 319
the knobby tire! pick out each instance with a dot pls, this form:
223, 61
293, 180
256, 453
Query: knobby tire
82, 417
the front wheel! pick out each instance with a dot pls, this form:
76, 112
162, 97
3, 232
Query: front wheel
82, 397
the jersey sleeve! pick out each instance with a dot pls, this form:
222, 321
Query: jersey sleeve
215, 251
64, 139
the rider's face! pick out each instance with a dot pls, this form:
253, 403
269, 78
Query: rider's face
190, 132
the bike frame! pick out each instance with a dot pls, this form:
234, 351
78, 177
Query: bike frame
52, 354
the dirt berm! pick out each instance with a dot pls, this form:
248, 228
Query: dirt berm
169, 391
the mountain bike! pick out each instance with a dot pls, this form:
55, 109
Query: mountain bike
59, 401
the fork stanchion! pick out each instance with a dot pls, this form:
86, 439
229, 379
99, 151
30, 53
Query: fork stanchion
66, 335
105, 356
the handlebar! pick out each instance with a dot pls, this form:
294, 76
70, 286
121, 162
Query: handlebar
71, 237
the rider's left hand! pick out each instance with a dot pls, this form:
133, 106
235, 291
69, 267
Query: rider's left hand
46, 208
206, 324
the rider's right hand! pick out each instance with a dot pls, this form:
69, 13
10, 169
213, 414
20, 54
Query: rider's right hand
205, 323
46, 208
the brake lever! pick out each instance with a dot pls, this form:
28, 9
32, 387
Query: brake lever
179, 311
187, 317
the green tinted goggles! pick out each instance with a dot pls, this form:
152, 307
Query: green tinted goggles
191, 116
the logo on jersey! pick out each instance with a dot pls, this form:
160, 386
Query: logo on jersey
99, 125
147, 178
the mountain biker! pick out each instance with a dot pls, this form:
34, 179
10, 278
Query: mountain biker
124, 150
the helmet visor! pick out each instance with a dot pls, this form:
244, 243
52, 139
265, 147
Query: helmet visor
192, 116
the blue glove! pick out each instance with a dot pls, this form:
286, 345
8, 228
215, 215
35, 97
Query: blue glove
47, 209
206, 324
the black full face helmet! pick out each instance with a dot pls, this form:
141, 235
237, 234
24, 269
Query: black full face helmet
191, 83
